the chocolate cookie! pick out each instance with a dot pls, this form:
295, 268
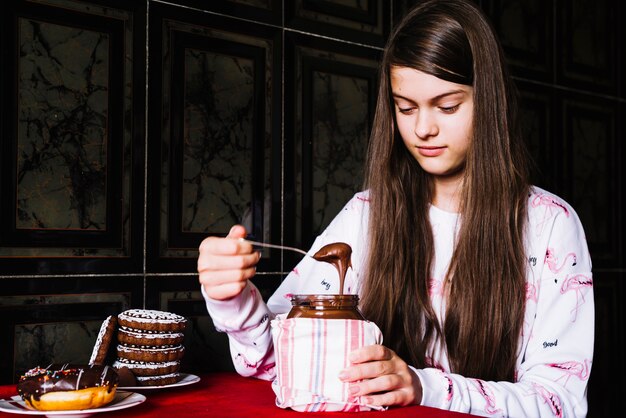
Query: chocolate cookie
139, 338
152, 321
144, 368
106, 337
166, 379
150, 354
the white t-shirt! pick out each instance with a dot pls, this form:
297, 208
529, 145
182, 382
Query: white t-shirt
556, 345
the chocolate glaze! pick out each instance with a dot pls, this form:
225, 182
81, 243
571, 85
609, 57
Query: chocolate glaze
338, 254
65, 377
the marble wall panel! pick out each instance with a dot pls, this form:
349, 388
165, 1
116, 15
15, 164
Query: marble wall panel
62, 147
538, 128
218, 95
331, 92
588, 44
67, 144
54, 328
269, 11
361, 21
589, 175
525, 29
206, 349
604, 399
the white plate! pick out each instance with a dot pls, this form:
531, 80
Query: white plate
122, 400
186, 379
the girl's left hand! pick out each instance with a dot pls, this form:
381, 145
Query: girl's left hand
382, 377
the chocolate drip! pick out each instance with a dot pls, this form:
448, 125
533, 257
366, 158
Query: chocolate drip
338, 254
64, 377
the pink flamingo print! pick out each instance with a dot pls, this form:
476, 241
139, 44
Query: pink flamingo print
435, 287
572, 368
552, 260
550, 398
358, 202
241, 359
577, 283
431, 362
549, 202
550, 205
488, 395
268, 369
531, 292
450, 388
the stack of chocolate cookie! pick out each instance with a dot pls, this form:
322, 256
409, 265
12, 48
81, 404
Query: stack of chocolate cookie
150, 345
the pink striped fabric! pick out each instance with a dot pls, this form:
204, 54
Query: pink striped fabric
310, 353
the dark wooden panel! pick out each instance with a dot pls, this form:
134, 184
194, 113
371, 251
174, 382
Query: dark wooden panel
269, 11
525, 30
215, 158
606, 390
589, 176
57, 320
330, 98
587, 44
365, 22
67, 139
206, 349
401, 7
537, 115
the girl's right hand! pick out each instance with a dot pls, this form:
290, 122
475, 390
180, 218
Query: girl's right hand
226, 264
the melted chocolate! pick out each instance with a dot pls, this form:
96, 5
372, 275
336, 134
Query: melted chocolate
64, 377
338, 254
325, 306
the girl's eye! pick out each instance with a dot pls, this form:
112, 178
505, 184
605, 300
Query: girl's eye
449, 109
405, 110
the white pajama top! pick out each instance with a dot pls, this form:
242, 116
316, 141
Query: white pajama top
556, 345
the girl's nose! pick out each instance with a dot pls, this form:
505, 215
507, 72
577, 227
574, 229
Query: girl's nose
425, 125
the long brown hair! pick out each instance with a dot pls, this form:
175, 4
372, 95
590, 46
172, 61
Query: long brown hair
452, 40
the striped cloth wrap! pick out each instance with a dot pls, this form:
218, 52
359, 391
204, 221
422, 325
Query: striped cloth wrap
310, 353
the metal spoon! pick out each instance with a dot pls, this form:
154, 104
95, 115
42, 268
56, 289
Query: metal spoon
280, 247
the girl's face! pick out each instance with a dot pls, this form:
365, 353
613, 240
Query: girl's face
434, 118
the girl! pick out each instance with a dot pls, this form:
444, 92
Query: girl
480, 282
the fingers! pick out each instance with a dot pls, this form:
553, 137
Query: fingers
380, 375
231, 245
370, 353
224, 291
223, 277
368, 362
226, 264
396, 397
366, 371
225, 258
237, 231
382, 383
388, 389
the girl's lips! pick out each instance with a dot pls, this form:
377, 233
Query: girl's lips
431, 151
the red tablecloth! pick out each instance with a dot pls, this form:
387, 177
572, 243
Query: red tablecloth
226, 395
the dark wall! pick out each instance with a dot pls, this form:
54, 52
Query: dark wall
130, 130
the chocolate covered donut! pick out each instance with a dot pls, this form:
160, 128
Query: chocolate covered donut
62, 387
